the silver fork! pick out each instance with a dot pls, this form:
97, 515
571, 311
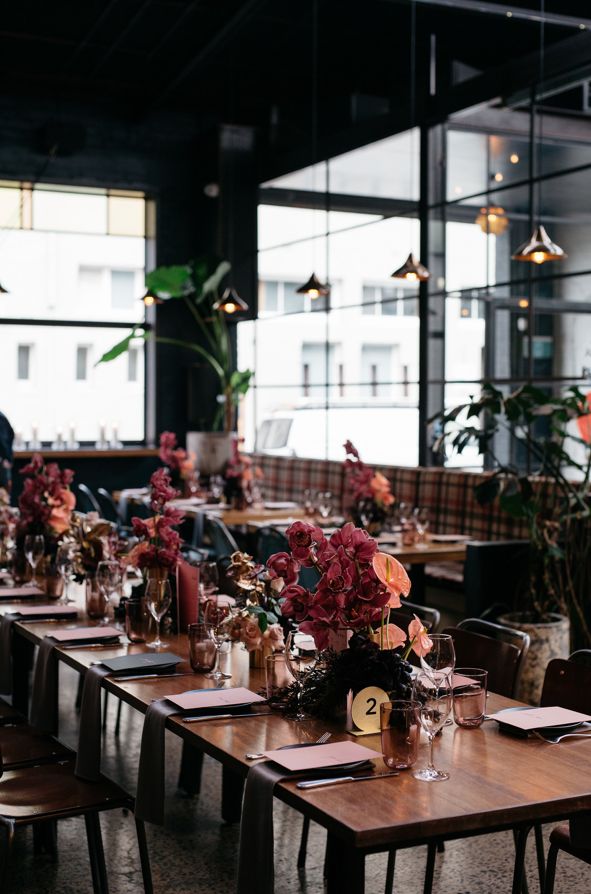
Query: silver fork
554, 740
253, 755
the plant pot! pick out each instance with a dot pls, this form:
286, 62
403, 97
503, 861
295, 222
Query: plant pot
548, 640
213, 450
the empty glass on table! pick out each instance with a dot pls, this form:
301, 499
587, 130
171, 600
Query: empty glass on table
108, 578
218, 615
324, 503
34, 552
158, 599
434, 693
301, 656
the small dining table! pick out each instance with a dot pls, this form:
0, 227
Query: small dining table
497, 781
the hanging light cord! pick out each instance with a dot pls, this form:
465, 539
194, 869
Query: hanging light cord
540, 115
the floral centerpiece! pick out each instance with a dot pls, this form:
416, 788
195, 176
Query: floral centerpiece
368, 492
46, 502
357, 589
158, 551
256, 624
180, 463
242, 478
92, 542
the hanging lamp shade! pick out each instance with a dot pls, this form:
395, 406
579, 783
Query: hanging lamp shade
313, 287
150, 298
539, 248
230, 303
3, 291
492, 220
412, 271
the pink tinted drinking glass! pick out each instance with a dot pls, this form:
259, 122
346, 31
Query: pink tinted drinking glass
400, 726
469, 685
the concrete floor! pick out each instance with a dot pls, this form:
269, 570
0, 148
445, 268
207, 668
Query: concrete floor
196, 852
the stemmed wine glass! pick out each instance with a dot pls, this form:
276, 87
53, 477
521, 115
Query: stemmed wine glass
34, 551
421, 523
434, 692
324, 503
65, 565
208, 579
108, 578
218, 615
441, 657
301, 655
158, 598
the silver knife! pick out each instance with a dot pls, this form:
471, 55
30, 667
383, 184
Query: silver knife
148, 677
335, 780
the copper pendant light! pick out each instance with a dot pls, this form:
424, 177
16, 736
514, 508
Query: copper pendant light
230, 303
313, 288
3, 291
412, 270
539, 248
492, 220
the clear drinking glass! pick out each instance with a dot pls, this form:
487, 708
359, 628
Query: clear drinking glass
218, 615
108, 578
324, 503
421, 521
278, 676
137, 620
64, 561
469, 685
433, 690
34, 551
158, 598
209, 579
400, 727
203, 652
301, 655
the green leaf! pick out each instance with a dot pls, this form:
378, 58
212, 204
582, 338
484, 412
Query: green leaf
122, 346
513, 504
212, 283
170, 282
240, 381
487, 491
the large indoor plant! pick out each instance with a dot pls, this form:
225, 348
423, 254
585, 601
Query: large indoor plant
547, 487
197, 284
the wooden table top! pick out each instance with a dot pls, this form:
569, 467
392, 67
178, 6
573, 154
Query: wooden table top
496, 780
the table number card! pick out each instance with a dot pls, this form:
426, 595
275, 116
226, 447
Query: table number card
364, 715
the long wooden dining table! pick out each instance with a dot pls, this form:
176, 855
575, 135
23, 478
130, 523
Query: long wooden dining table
496, 782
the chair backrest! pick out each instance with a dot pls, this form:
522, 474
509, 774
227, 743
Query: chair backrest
90, 502
403, 616
492, 568
216, 532
108, 506
567, 684
581, 656
494, 648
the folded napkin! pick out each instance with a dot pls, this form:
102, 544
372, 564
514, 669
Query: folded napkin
20, 592
43, 713
88, 758
256, 871
149, 800
6, 622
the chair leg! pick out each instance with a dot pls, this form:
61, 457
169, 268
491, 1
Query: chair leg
430, 868
390, 871
79, 692
10, 830
540, 856
550, 870
96, 853
441, 847
105, 704
519, 879
144, 856
303, 844
118, 721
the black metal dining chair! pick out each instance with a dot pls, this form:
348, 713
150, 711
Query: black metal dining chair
88, 501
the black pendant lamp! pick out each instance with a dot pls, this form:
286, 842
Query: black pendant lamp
412, 270
230, 303
539, 248
150, 298
313, 288
3, 291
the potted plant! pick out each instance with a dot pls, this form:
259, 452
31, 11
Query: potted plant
548, 488
197, 284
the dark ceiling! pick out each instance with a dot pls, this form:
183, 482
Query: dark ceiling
251, 61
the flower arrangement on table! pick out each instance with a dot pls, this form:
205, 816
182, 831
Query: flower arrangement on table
256, 623
242, 478
158, 551
92, 542
46, 502
180, 463
356, 591
368, 492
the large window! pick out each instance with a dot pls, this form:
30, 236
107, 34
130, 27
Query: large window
73, 263
346, 366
